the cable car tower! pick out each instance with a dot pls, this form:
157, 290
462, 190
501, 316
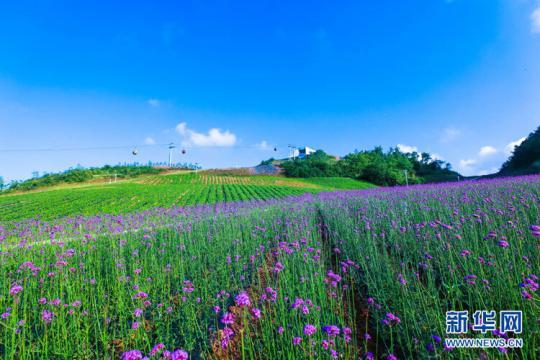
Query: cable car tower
171, 147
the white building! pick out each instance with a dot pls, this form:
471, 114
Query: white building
301, 152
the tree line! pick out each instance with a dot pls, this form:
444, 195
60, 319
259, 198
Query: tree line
392, 167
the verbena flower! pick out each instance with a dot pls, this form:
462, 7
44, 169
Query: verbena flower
132, 355
256, 313
47, 316
157, 348
227, 318
242, 299
179, 355
331, 330
309, 330
15, 289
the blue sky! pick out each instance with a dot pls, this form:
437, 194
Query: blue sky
460, 79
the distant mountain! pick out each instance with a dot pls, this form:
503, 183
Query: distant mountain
526, 157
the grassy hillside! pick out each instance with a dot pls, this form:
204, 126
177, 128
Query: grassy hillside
159, 190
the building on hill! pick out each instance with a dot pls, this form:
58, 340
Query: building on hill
301, 152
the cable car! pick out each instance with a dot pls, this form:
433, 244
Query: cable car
135, 152
275, 149
183, 151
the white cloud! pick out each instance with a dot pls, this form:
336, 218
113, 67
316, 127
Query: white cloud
214, 137
149, 141
154, 102
488, 171
450, 134
487, 151
509, 149
406, 148
264, 145
535, 20
467, 164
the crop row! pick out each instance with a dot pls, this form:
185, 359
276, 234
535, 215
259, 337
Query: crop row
116, 199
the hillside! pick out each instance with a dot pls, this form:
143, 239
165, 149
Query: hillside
164, 190
526, 157
379, 167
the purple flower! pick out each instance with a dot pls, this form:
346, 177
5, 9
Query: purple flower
256, 313
157, 349
297, 303
138, 312
5, 315
391, 317
309, 330
179, 355
278, 267
271, 294
47, 316
331, 330
503, 244
227, 318
465, 252
15, 289
132, 355
296, 340
135, 325
242, 299
140, 295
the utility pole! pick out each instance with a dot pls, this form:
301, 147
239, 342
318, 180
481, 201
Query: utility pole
292, 151
171, 147
406, 178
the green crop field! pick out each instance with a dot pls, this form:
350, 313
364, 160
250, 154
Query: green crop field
168, 190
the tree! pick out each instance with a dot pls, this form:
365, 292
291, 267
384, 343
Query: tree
525, 158
318, 164
1, 183
268, 162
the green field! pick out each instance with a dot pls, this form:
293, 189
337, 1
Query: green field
167, 190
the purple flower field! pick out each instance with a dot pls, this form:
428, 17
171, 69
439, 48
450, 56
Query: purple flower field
353, 274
